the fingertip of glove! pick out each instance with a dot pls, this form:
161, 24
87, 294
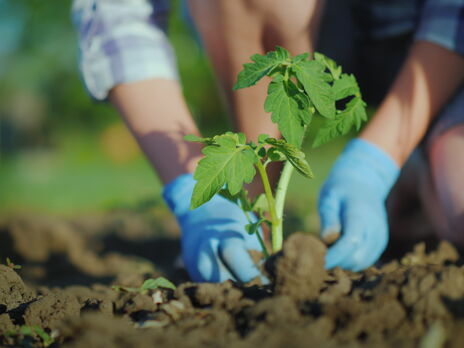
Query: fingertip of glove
179, 191
331, 232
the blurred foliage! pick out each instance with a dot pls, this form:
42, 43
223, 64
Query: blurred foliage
59, 150
41, 94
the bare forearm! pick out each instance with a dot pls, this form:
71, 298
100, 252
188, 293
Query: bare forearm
429, 77
156, 113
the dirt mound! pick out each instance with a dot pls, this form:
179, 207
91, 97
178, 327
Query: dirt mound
96, 249
300, 270
13, 292
417, 301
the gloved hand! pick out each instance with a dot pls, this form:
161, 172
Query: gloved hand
352, 202
214, 239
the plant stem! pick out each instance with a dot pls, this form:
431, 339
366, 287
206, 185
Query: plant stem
263, 246
281, 192
275, 221
258, 235
282, 187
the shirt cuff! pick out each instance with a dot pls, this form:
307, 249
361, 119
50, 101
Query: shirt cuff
442, 23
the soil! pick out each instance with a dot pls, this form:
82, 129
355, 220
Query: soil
69, 266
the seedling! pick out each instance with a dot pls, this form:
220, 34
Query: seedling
10, 264
300, 89
32, 332
149, 284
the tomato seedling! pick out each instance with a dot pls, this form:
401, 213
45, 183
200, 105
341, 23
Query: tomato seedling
26, 332
300, 89
149, 284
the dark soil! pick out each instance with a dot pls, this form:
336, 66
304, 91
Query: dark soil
64, 287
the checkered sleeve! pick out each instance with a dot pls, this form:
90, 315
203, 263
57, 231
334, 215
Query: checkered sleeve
442, 22
122, 41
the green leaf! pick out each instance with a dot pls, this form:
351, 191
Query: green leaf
286, 106
335, 70
46, 339
262, 66
241, 137
345, 87
275, 155
316, 84
253, 227
241, 198
226, 194
300, 57
352, 117
262, 138
160, 282
260, 203
226, 162
196, 139
245, 202
294, 155
26, 330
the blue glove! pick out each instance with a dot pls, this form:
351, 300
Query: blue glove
214, 239
352, 203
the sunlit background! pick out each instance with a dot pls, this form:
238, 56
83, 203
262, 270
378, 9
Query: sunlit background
63, 154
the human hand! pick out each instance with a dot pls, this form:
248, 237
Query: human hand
214, 241
352, 203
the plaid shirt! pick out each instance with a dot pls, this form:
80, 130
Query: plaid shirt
442, 22
122, 41
125, 41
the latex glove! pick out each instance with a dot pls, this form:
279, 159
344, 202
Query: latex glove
214, 239
352, 202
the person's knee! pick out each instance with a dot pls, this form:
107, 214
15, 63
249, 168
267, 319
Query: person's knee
447, 164
292, 23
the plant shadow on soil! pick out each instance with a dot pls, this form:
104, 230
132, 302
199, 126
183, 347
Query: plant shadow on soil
64, 287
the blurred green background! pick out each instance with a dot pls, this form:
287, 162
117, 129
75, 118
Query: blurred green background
61, 153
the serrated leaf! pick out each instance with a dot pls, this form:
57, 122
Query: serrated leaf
160, 282
262, 65
197, 139
262, 152
262, 138
241, 197
316, 84
286, 108
294, 155
352, 117
345, 86
239, 137
225, 162
226, 194
281, 53
300, 57
335, 70
275, 155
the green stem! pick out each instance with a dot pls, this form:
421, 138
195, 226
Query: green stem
282, 187
258, 235
275, 221
281, 192
263, 246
